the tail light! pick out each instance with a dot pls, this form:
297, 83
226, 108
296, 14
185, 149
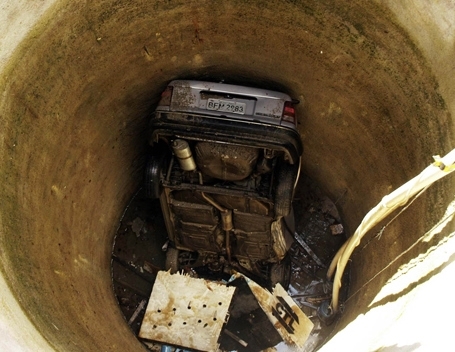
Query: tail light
288, 112
166, 97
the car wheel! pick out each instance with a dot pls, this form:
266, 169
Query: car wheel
172, 260
153, 174
287, 175
280, 273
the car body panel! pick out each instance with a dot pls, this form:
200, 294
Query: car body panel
260, 105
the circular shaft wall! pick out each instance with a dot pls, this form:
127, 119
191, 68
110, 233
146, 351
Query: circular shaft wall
79, 87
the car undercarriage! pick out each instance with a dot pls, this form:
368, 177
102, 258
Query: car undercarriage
225, 186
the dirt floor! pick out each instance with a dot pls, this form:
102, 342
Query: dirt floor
138, 255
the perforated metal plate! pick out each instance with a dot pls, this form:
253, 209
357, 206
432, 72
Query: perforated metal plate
185, 311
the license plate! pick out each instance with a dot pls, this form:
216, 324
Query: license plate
226, 106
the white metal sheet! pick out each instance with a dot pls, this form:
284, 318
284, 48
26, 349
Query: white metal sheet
289, 320
186, 311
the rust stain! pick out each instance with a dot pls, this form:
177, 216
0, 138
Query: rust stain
208, 286
197, 36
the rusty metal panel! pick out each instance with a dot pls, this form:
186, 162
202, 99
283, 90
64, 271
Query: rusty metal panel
194, 212
252, 223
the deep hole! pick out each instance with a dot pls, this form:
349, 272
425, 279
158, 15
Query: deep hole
372, 115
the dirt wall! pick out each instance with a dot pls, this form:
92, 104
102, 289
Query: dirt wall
79, 80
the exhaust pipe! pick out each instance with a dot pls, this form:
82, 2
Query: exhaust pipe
226, 220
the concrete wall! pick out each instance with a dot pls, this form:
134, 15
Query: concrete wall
78, 81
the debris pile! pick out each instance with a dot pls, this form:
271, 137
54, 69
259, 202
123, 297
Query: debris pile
139, 255
208, 316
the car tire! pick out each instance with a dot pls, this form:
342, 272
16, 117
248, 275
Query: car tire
280, 273
153, 175
172, 260
287, 175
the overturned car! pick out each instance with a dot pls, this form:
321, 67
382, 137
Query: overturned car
224, 162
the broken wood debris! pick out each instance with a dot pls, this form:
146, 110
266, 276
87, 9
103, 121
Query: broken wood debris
307, 248
137, 311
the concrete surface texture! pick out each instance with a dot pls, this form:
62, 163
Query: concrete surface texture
79, 79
